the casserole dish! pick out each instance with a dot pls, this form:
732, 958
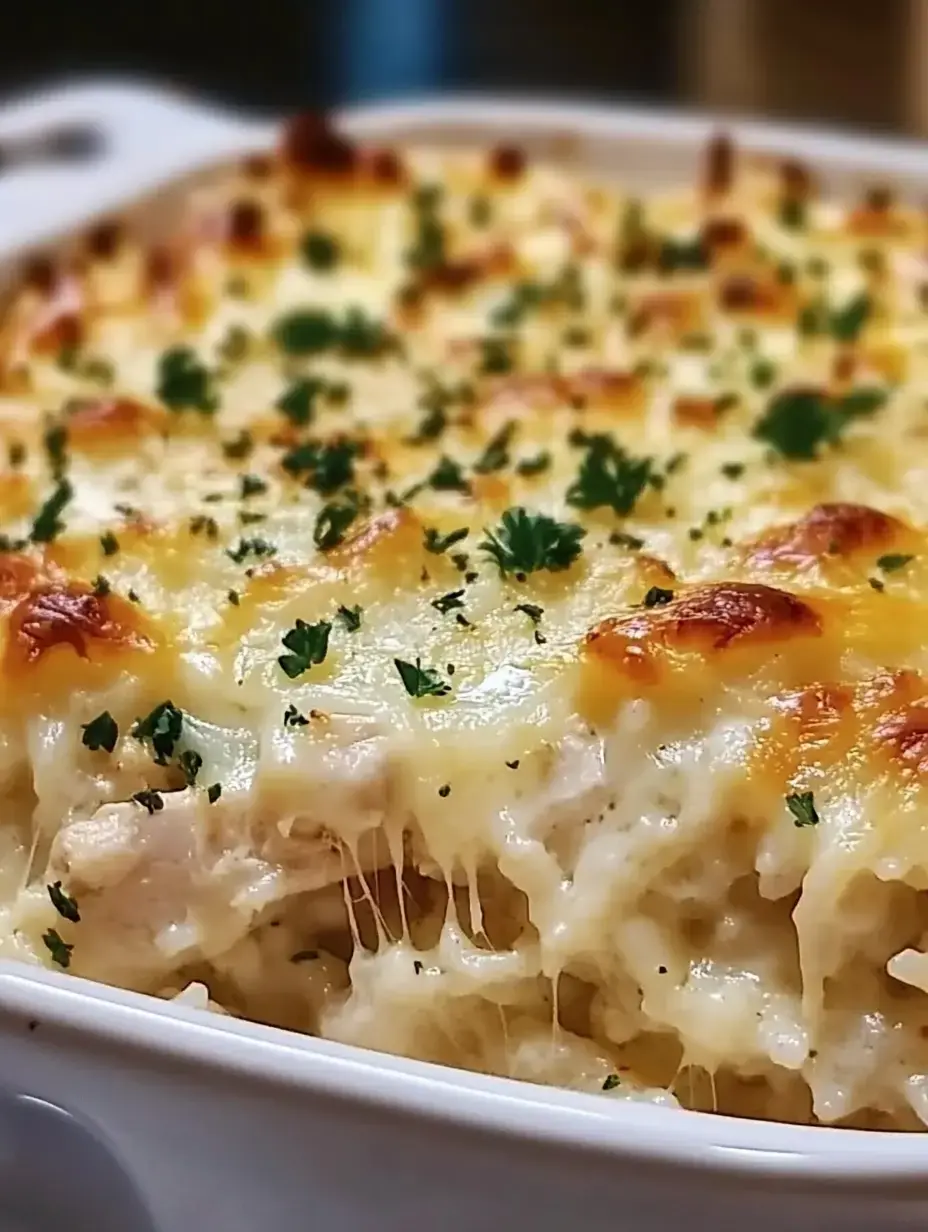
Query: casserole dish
278, 1124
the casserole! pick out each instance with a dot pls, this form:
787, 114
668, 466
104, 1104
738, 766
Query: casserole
651, 150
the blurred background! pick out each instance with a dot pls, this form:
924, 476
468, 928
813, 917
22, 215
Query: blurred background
857, 63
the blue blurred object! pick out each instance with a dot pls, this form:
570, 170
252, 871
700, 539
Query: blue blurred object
389, 47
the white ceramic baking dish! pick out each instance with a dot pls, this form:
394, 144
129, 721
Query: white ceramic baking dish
226, 1125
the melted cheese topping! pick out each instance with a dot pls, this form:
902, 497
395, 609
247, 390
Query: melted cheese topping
455, 607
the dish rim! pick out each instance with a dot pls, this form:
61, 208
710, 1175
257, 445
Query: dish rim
741, 1148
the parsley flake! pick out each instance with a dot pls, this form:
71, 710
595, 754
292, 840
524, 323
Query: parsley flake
109, 543
308, 643
60, 950
191, 763
419, 681
446, 603
611, 1081
657, 596
437, 543
240, 447
293, 718
213, 792
332, 523
448, 477
350, 617
526, 542
162, 728
609, 477
297, 401
893, 561
531, 610
64, 904
320, 251
534, 465
802, 806
251, 485
250, 547
496, 454
305, 331
47, 524
149, 800
100, 733
184, 383
797, 422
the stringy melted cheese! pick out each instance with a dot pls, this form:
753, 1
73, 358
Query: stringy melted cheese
578, 865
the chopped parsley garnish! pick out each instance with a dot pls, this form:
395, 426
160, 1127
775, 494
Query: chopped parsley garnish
609, 477
762, 373
47, 524
798, 422
847, 322
109, 543
190, 763
496, 454
437, 543
240, 447
293, 718
350, 617
657, 596
531, 610
16, 454
233, 597
100, 733
496, 356
446, 603
332, 523
361, 336
101, 586
235, 345
250, 547
428, 250
56, 440
308, 644
448, 477
60, 950
328, 465
802, 806
202, 524
861, 402
534, 465
149, 800
305, 331
893, 561
431, 425
525, 542
419, 681
162, 729
444, 791
792, 213
876, 584
620, 539
611, 1081
320, 251
64, 904
297, 401
480, 211
184, 383
732, 470
213, 792
251, 485
676, 255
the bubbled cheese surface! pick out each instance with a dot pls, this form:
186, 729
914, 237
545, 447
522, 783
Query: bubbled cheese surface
604, 516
